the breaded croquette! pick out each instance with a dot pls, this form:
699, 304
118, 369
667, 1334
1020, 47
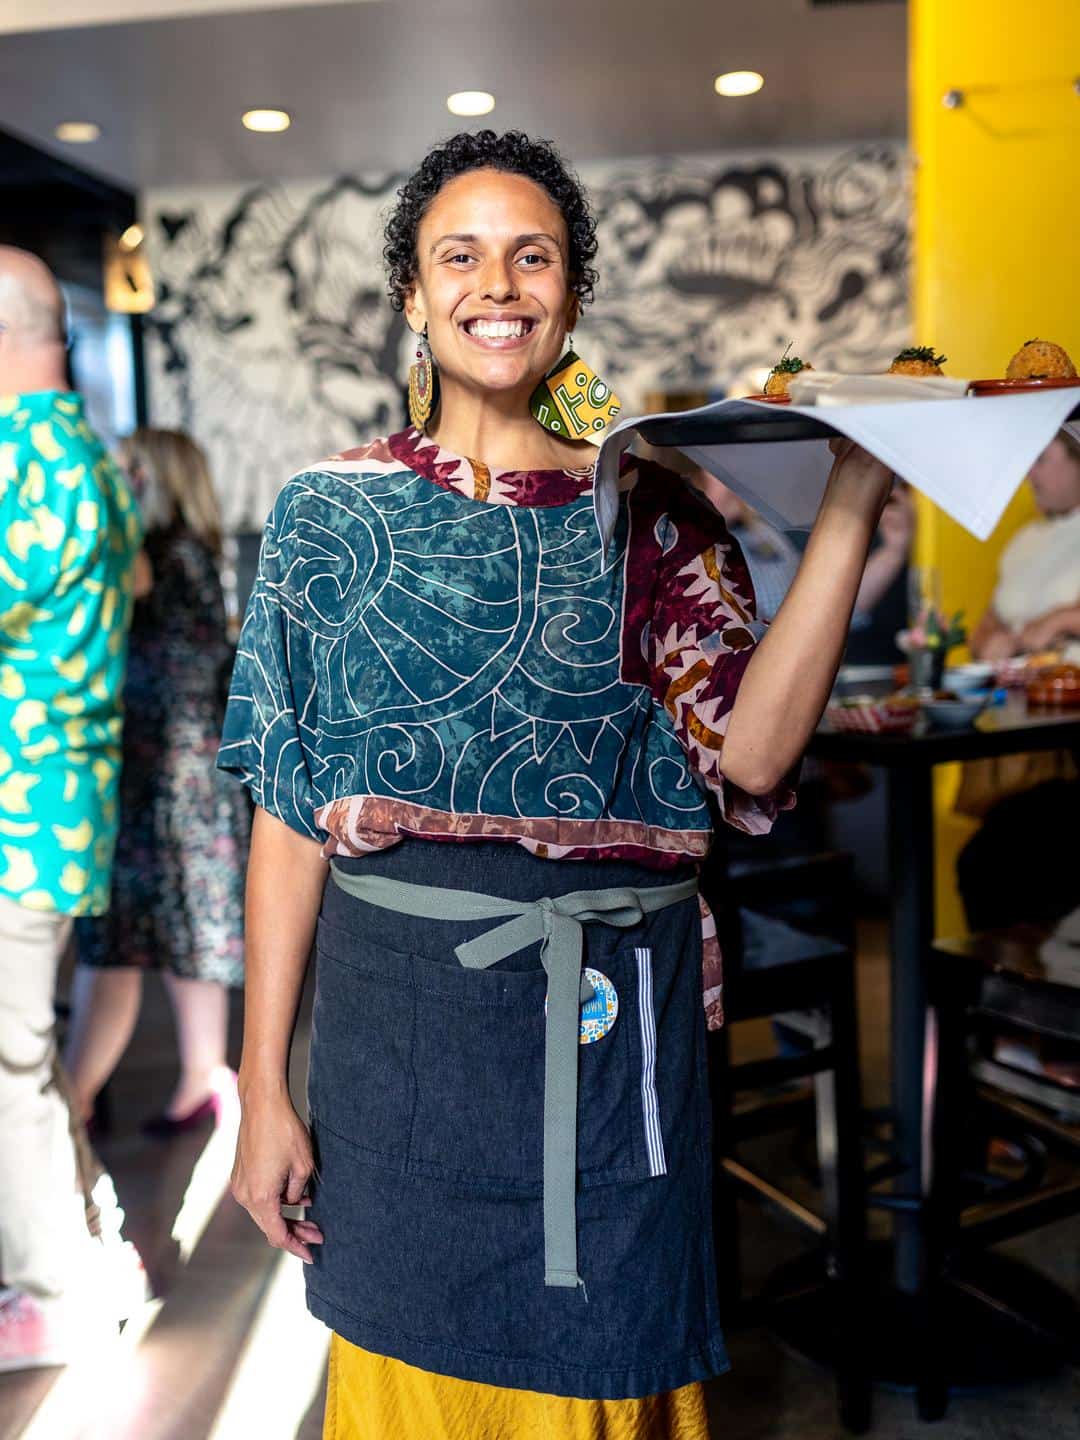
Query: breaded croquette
1040, 360
918, 360
783, 372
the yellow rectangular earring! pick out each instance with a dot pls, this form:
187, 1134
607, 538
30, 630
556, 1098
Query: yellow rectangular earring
573, 401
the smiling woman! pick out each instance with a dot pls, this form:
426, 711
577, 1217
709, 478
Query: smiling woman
489, 254
505, 1228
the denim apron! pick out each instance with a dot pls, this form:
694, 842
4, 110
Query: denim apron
449, 1241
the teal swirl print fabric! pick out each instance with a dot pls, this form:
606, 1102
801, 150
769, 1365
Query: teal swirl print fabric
433, 648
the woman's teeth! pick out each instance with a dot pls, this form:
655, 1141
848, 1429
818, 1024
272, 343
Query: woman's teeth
497, 329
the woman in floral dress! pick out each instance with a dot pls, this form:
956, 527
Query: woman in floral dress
177, 899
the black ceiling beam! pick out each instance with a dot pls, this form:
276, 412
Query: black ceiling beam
26, 170
56, 210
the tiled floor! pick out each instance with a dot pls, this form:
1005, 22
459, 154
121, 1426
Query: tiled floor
229, 1353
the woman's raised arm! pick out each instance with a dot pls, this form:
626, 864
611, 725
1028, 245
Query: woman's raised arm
787, 683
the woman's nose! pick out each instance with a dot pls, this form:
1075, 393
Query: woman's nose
498, 282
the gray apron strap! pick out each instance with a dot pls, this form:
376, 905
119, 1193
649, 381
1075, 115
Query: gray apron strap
556, 922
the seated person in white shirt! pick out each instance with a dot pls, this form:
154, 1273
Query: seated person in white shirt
1036, 605
1018, 868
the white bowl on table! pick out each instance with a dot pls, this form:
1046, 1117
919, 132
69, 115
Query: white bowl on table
958, 714
976, 676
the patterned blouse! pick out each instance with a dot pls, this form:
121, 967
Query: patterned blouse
438, 649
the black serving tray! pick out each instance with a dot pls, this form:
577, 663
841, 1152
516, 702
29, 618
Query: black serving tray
772, 426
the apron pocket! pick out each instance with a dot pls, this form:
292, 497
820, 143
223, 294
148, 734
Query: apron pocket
479, 1065
360, 1082
478, 1054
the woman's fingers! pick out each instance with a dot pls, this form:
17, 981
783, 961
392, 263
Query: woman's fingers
294, 1236
296, 1184
295, 1246
271, 1222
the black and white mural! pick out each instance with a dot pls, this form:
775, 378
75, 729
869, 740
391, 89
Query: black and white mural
274, 344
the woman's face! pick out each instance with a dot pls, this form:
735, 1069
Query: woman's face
492, 283
1055, 479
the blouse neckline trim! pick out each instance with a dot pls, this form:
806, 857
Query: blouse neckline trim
488, 484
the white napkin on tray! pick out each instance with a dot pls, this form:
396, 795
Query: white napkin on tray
828, 387
968, 454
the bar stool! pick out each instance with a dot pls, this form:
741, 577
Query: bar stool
1022, 983
783, 969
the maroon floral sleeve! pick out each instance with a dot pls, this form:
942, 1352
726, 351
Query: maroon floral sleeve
700, 636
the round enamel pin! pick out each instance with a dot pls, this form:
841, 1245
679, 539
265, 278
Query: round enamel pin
598, 1015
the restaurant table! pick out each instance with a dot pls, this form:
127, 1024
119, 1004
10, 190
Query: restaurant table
908, 762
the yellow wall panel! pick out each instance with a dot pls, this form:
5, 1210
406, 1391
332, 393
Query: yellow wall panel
996, 243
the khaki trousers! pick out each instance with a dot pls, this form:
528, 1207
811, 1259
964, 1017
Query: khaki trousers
45, 1244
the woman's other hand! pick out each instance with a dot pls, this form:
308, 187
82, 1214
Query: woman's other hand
274, 1163
857, 478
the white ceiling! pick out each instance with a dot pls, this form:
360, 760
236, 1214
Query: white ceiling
17, 15
367, 82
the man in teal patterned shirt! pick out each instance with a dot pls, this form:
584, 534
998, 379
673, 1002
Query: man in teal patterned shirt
69, 533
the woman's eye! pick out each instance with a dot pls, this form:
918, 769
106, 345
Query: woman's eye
459, 259
532, 260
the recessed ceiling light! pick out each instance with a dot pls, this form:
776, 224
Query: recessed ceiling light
267, 122
132, 238
738, 82
78, 132
470, 102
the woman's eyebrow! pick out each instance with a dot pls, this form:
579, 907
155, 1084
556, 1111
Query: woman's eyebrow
457, 237
460, 238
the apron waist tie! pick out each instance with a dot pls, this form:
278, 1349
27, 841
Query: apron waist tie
555, 921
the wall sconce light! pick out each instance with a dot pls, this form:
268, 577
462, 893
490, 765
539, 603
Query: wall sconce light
129, 285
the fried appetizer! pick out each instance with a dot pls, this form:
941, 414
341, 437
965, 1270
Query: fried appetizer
783, 372
918, 360
1040, 360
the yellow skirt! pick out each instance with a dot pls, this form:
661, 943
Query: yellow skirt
370, 1397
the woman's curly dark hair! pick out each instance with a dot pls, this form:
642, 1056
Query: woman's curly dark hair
515, 153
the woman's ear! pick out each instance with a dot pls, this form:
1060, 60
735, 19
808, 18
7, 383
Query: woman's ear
573, 314
415, 310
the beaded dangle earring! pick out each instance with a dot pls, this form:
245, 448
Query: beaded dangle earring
422, 384
572, 400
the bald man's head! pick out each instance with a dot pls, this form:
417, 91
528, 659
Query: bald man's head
31, 302
31, 323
